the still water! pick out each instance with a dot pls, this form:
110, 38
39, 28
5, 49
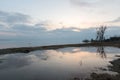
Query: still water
60, 64
13, 43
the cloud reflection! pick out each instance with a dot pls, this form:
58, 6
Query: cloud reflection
63, 63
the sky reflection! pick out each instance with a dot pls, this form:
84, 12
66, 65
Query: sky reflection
53, 64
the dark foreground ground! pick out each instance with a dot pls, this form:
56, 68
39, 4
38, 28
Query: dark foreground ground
115, 67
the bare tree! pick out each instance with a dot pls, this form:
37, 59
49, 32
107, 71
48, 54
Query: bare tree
100, 33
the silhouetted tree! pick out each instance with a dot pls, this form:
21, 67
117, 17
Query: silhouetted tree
92, 40
100, 33
85, 41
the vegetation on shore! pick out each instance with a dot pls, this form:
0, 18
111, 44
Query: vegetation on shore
100, 36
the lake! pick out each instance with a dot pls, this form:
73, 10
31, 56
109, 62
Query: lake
59, 64
12, 43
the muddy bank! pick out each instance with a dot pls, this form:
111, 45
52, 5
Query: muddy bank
29, 49
115, 67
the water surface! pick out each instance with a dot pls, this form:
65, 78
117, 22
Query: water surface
60, 64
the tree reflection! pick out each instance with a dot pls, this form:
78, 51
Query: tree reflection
81, 63
101, 52
1, 60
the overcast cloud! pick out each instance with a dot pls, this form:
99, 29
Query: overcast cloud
17, 24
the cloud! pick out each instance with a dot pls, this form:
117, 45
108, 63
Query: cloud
80, 3
23, 27
2, 26
18, 23
101, 6
115, 20
7, 33
85, 3
8, 20
14, 18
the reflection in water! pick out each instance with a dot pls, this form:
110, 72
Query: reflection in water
1, 60
101, 52
61, 64
81, 63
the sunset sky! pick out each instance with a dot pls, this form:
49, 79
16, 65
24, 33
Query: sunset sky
65, 13
45, 22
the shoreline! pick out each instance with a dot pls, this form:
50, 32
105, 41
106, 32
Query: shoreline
29, 49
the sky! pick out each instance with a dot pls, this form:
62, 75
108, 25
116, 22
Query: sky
79, 13
20, 16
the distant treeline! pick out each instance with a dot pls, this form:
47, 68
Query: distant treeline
100, 36
111, 39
